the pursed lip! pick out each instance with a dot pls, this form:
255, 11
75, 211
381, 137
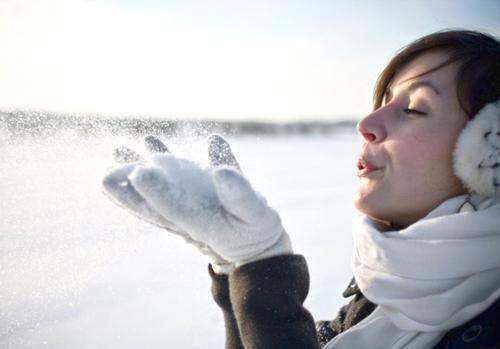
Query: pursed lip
365, 167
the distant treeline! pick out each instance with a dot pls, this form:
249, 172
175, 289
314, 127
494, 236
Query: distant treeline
20, 123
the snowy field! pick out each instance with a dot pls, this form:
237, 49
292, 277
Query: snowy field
78, 272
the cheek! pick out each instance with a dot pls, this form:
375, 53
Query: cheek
423, 165
406, 175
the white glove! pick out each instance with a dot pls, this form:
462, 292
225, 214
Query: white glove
214, 208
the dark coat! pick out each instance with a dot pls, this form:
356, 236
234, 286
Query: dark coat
262, 305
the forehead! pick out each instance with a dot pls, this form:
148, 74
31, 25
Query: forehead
418, 68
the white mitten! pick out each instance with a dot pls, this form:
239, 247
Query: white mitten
213, 207
118, 189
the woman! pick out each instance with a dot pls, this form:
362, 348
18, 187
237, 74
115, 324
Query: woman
425, 262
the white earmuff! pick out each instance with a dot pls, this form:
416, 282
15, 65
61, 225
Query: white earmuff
477, 154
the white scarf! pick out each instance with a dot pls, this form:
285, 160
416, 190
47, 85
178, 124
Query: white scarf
426, 279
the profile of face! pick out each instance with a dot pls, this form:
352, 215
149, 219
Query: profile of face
405, 164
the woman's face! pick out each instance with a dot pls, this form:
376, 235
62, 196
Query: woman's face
405, 164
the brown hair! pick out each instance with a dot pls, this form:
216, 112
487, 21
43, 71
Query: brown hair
478, 77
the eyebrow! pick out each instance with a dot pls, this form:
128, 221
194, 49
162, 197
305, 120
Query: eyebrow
423, 83
414, 86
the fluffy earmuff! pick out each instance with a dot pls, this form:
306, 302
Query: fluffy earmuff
477, 153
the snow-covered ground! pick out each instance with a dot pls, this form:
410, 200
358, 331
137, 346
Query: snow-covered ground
78, 272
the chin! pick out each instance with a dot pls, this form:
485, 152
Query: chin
371, 207
363, 207
364, 201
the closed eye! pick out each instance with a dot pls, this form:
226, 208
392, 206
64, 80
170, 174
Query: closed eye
413, 111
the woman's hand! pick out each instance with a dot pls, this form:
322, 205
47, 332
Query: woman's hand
215, 208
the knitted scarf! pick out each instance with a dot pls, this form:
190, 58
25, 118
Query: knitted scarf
426, 279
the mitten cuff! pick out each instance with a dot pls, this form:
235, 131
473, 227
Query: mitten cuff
282, 247
222, 268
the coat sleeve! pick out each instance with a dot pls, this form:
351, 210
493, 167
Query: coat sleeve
220, 293
266, 298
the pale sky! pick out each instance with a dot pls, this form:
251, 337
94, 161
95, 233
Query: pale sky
229, 59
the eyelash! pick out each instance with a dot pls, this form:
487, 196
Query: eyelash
413, 111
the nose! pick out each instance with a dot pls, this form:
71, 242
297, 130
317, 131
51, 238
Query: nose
371, 128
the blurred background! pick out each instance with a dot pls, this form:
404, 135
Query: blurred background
284, 81
223, 59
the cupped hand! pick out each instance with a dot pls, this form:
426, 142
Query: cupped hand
214, 208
